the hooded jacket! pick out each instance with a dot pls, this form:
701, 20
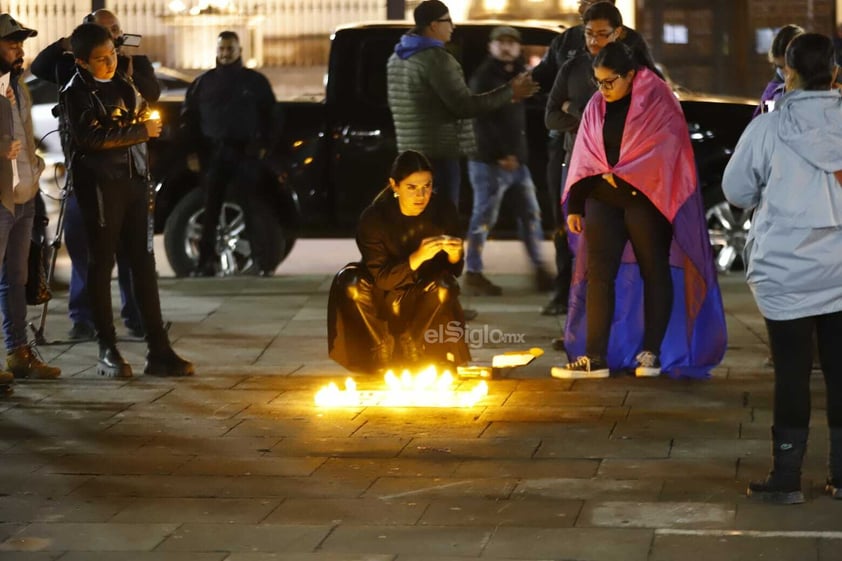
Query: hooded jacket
431, 104
784, 166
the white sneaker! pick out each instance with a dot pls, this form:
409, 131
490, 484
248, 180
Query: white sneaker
648, 365
583, 367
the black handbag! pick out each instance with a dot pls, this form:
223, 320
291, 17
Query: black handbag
37, 288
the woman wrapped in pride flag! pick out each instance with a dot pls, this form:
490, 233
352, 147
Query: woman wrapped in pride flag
645, 294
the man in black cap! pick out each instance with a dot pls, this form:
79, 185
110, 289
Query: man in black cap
432, 105
500, 165
18, 188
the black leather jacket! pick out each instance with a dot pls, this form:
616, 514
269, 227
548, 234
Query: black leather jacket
102, 129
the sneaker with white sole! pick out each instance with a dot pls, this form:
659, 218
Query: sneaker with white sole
582, 367
648, 365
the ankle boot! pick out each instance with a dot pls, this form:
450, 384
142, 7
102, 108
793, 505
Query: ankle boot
409, 348
111, 363
165, 363
383, 350
783, 484
23, 362
834, 464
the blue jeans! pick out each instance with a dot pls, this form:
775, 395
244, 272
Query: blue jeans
15, 236
490, 183
447, 178
78, 302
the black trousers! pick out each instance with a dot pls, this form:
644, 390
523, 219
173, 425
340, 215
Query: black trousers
610, 222
791, 342
117, 212
563, 255
226, 167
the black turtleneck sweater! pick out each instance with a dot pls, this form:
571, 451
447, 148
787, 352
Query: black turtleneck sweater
612, 132
230, 105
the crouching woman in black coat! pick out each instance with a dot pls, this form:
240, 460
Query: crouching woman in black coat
399, 305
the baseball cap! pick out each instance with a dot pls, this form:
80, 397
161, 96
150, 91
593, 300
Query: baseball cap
428, 11
12, 30
505, 31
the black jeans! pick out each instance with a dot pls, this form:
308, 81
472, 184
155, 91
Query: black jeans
224, 167
117, 212
555, 185
791, 342
608, 225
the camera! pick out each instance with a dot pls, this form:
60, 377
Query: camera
128, 40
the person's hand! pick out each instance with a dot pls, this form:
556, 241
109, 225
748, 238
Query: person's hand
609, 177
523, 86
153, 127
565, 106
453, 247
575, 223
10, 95
509, 163
9, 148
429, 248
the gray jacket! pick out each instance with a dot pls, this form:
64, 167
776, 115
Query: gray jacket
432, 105
784, 166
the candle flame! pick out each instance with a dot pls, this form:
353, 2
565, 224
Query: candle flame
155, 115
428, 388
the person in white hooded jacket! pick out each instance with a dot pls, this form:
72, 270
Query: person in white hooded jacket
788, 165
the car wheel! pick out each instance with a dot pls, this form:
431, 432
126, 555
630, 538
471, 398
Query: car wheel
728, 228
183, 230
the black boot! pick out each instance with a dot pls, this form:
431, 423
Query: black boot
383, 350
783, 484
409, 348
834, 464
111, 363
165, 363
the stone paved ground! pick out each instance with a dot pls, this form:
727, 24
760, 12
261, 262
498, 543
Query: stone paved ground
238, 465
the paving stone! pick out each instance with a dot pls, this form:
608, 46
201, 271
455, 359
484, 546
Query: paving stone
298, 428
416, 429
386, 447
416, 488
732, 548
667, 428
196, 428
393, 467
471, 448
249, 466
319, 556
555, 398
544, 414
90, 444
244, 537
215, 510
829, 550
570, 543
528, 469
88, 537
506, 512
704, 490
418, 540
16, 508
314, 486
701, 448
821, 514
224, 447
583, 447
41, 485
113, 464
515, 429
144, 556
667, 469
588, 489
152, 486
348, 511
618, 514
27, 556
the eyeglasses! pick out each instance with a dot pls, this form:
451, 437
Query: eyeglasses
599, 35
607, 84
445, 20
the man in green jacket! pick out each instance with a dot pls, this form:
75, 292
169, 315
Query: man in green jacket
432, 105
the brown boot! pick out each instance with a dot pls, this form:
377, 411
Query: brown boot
24, 363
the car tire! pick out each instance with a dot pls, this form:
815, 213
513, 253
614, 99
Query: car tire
183, 229
728, 228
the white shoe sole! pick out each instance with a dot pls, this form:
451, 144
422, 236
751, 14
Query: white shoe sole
565, 374
647, 372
